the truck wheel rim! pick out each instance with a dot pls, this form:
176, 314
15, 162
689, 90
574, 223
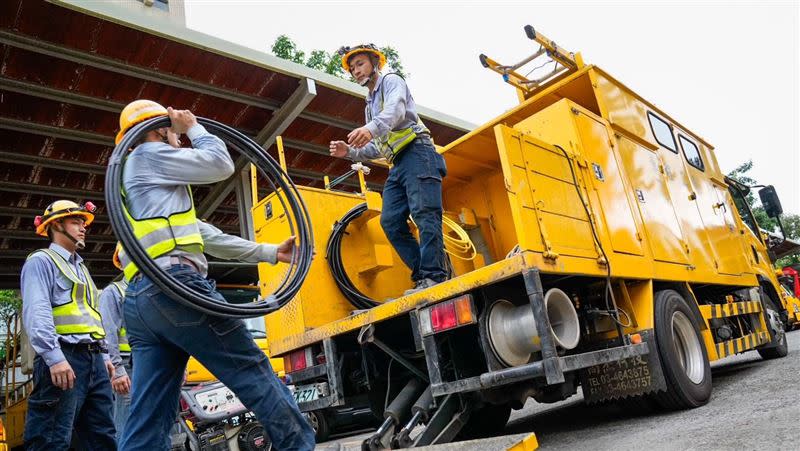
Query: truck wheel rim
313, 421
776, 325
687, 347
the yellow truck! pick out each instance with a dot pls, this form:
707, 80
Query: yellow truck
606, 250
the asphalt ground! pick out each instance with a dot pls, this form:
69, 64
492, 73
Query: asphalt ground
755, 405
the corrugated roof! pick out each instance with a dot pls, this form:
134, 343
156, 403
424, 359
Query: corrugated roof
66, 72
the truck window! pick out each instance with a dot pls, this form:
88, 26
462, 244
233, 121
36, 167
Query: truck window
744, 209
691, 153
662, 131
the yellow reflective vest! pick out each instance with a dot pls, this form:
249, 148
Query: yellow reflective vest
122, 335
160, 235
81, 314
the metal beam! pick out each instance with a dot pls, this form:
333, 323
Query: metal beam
32, 212
55, 132
120, 67
280, 121
58, 95
306, 147
244, 202
47, 162
54, 191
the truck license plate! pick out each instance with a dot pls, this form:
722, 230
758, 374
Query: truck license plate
306, 393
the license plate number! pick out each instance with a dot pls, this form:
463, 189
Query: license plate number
306, 393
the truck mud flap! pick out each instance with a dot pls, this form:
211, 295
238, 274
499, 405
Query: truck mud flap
624, 378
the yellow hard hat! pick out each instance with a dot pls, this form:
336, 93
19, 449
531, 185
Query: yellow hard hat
62, 209
115, 258
349, 52
136, 112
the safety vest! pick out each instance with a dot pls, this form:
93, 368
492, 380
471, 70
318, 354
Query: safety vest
160, 235
81, 314
396, 140
122, 335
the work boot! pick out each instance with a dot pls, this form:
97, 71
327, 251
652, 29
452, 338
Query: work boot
420, 285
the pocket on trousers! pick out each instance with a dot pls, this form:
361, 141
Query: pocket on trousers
176, 313
224, 326
430, 192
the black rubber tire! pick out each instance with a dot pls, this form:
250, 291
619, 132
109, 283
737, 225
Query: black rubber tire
319, 423
681, 392
487, 421
774, 350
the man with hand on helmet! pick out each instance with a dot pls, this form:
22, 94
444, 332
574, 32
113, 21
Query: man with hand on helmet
71, 370
163, 332
395, 132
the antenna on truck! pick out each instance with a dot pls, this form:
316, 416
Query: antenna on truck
562, 60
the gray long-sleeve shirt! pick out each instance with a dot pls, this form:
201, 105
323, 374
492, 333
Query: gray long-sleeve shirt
397, 112
44, 287
113, 320
155, 178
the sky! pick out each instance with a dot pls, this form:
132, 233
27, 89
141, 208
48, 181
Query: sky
728, 71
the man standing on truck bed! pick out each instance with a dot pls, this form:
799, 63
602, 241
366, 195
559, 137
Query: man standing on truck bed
163, 333
71, 370
394, 131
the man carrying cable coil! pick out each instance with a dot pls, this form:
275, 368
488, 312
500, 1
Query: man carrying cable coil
162, 332
394, 131
72, 369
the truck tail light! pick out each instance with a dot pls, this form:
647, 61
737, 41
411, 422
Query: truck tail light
298, 360
447, 315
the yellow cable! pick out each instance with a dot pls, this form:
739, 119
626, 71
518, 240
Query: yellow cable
458, 245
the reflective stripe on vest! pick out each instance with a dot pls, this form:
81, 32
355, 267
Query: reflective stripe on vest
396, 140
81, 315
161, 235
122, 334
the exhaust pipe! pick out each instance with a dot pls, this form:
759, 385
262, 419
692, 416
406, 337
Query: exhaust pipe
512, 329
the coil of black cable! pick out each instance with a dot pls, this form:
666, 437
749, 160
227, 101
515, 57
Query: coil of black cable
276, 176
333, 254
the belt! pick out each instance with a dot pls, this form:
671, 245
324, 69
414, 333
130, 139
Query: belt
177, 260
93, 347
174, 260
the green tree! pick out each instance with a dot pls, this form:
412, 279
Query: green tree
10, 303
741, 174
329, 62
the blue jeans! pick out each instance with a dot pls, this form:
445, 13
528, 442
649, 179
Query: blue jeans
414, 187
122, 403
163, 333
86, 407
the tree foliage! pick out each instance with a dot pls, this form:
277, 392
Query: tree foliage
10, 303
329, 62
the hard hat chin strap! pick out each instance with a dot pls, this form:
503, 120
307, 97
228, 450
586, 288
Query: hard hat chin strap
79, 244
368, 79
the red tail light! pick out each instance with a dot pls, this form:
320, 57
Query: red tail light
447, 315
443, 316
298, 360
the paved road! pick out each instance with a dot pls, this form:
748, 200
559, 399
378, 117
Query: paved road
755, 405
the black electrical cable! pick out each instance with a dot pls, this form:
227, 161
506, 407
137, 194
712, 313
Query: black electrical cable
269, 168
608, 289
333, 254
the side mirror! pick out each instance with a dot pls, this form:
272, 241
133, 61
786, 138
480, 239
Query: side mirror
770, 201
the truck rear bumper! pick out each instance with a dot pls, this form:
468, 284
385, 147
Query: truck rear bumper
493, 379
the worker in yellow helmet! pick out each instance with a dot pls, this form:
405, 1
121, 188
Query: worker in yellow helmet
72, 370
111, 301
395, 132
163, 332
